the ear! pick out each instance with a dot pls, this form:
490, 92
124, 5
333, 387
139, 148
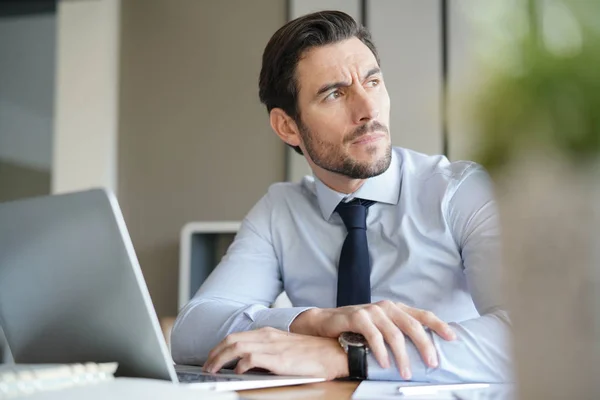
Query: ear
285, 127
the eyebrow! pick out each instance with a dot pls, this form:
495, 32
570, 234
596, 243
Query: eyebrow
337, 85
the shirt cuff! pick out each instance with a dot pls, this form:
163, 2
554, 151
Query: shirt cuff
279, 318
418, 368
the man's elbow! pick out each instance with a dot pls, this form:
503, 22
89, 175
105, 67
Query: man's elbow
183, 345
177, 345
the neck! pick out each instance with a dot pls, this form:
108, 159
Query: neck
337, 182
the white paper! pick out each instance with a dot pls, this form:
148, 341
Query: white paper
371, 390
132, 388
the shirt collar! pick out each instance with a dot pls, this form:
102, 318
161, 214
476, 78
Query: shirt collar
383, 188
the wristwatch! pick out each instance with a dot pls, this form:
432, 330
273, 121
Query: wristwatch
356, 347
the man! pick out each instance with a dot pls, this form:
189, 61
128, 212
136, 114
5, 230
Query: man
383, 242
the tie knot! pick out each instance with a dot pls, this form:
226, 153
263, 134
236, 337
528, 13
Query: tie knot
354, 213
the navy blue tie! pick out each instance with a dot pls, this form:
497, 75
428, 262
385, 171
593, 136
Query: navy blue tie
354, 268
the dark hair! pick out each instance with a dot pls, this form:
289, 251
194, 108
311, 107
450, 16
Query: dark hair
278, 87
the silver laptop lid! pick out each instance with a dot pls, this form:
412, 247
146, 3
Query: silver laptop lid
71, 288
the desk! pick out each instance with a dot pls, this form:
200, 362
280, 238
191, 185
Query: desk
312, 391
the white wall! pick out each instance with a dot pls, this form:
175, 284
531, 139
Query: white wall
463, 76
303, 7
85, 143
27, 55
408, 37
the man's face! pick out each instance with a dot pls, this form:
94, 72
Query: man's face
344, 110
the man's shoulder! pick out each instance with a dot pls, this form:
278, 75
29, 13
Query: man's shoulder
435, 176
423, 167
280, 194
286, 189
280, 200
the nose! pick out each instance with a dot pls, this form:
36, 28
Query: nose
365, 108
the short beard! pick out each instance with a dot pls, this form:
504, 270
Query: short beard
329, 157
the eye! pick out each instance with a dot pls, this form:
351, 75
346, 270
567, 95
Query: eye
336, 94
373, 83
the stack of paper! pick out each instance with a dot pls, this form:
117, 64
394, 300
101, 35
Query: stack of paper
381, 390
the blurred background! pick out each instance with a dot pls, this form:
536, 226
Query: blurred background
157, 100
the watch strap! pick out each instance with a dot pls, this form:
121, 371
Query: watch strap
357, 362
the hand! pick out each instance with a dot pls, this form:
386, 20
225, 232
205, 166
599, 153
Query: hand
380, 323
280, 352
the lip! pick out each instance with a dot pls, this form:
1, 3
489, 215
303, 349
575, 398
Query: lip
370, 138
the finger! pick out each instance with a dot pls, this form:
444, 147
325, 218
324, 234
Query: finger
236, 351
257, 360
361, 323
395, 339
414, 330
259, 336
431, 321
211, 356
223, 354
218, 349
228, 341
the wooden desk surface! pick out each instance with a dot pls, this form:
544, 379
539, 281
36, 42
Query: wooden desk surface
312, 391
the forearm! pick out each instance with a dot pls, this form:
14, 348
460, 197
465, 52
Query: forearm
481, 353
306, 322
203, 323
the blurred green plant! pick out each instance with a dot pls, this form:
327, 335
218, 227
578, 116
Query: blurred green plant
542, 88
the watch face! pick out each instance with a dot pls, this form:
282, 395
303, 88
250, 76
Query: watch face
354, 339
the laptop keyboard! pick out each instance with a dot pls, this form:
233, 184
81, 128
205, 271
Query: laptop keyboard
191, 377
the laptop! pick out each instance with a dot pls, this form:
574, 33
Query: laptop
71, 290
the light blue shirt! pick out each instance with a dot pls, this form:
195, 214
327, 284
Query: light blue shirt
434, 244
